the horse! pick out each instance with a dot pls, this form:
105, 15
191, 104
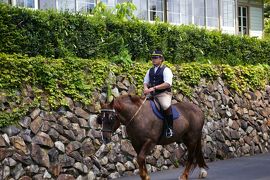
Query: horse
145, 130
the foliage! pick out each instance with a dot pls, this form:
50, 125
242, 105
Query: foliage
122, 58
244, 78
267, 28
109, 33
189, 75
267, 19
72, 77
101, 10
19, 108
124, 11
266, 8
54, 79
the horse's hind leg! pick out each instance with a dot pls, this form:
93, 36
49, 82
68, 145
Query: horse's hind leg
141, 159
195, 157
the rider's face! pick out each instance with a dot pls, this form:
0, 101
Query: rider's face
156, 60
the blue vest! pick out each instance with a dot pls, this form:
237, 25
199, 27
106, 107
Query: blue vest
157, 79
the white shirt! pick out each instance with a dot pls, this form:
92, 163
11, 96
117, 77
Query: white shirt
167, 76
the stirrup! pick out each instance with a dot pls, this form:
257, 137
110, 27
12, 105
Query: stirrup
169, 133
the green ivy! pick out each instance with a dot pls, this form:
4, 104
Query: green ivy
18, 107
54, 79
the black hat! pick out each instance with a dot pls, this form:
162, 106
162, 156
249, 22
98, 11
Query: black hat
157, 53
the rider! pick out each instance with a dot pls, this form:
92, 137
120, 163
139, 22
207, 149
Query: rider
158, 82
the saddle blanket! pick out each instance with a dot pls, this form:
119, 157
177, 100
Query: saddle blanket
176, 114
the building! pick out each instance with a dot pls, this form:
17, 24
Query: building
229, 16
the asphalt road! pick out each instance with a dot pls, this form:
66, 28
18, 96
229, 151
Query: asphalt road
244, 168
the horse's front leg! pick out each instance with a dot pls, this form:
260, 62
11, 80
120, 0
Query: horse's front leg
141, 159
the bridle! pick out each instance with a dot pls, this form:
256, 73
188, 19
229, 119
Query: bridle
107, 110
115, 114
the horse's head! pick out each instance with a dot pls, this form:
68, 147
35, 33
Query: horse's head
109, 121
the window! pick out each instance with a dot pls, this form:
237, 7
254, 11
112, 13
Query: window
141, 11
25, 3
112, 3
4, 1
66, 5
122, 1
191, 12
47, 4
198, 12
156, 10
184, 15
174, 11
242, 20
85, 5
228, 13
212, 19
109, 3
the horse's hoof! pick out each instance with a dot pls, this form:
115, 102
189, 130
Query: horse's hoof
182, 178
203, 174
147, 178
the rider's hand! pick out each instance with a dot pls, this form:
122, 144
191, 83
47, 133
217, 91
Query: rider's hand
148, 90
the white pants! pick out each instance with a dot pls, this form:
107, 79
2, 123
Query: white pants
165, 99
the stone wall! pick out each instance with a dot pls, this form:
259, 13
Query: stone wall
66, 144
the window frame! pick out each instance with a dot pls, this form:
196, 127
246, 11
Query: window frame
35, 4
217, 17
240, 24
174, 13
83, 5
156, 11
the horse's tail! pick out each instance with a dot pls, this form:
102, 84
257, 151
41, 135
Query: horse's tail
195, 155
199, 155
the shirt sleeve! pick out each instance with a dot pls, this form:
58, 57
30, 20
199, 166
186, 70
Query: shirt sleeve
168, 75
146, 78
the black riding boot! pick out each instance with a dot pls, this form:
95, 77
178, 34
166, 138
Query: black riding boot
168, 122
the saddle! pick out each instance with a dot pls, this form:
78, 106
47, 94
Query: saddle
156, 110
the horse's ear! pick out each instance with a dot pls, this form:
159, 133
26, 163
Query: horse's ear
112, 102
131, 97
99, 119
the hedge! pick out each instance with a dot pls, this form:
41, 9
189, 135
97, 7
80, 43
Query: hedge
61, 34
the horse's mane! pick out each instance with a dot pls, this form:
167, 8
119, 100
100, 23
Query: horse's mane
118, 102
135, 99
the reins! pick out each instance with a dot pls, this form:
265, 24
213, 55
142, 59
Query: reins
113, 110
136, 113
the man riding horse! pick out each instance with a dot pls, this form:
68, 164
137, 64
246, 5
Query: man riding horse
144, 127
158, 82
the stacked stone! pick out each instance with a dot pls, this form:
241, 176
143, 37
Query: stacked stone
66, 144
236, 124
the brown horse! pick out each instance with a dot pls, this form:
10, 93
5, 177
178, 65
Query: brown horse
144, 130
